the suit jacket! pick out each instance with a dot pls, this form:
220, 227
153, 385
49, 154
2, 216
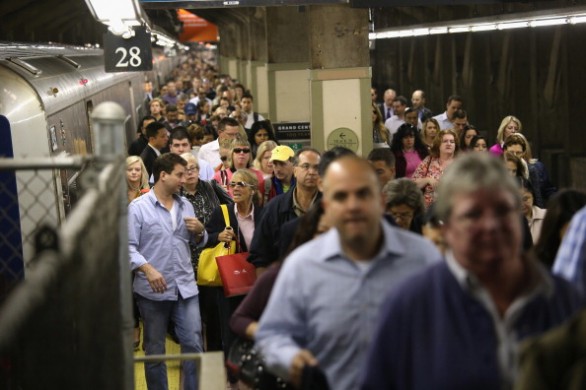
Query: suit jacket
148, 156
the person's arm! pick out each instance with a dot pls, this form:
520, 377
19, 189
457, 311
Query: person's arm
262, 240
570, 262
420, 176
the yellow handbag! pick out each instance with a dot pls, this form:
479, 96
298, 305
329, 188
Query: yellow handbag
207, 269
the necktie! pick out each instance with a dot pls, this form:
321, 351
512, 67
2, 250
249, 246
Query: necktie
388, 112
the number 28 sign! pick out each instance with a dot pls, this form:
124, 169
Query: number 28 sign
128, 55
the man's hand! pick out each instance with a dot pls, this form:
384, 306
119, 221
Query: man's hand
303, 358
193, 225
154, 277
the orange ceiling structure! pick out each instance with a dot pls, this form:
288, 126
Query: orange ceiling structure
196, 29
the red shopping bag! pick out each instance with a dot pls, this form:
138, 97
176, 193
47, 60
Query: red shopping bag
237, 274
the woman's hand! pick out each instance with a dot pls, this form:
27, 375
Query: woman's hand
226, 235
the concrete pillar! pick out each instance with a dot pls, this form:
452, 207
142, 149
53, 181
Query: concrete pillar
340, 78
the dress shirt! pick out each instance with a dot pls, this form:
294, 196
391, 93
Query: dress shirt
152, 239
393, 124
443, 121
569, 262
245, 224
324, 302
206, 172
211, 153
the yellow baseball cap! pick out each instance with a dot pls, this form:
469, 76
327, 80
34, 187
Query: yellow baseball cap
282, 153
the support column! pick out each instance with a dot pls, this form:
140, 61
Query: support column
340, 78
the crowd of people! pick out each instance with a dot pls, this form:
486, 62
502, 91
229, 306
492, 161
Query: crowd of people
424, 265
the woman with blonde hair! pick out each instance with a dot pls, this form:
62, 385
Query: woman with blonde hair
429, 172
429, 132
262, 161
509, 125
137, 178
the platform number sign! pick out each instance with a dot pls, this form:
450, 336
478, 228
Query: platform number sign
128, 55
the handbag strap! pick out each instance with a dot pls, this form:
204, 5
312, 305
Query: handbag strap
225, 212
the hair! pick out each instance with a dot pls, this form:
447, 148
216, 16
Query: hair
330, 156
146, 118
195, 133
401, 99
266, 146
456, 98
227, 122
405, 130
303, 150
519, 139
250, 178
475, 140
190, 158
560, 210
501, 130
522, 170
463, 137
379, 126
171, 108
239, 142
153, 128
424, 129
459, 114
404, 191
179, 133
382, 154
144, 176
166, 163
247, 95
434, 151
470, 173
307, 227
255, 128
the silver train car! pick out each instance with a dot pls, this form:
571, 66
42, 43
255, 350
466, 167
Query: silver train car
47, 94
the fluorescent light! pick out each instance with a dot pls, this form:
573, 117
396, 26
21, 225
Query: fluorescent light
483, 27
512, 25
548, 22
420, 31
458, 29
113, 9
438, 30
577, 19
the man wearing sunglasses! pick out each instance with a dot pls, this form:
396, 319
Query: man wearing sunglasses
288, 206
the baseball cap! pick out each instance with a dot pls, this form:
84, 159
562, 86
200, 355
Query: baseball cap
190, 109
282, 153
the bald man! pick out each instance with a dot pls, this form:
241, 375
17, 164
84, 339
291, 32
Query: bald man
327, 296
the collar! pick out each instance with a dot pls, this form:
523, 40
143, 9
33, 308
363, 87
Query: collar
153, 199
249, 216
157, 151
297, 207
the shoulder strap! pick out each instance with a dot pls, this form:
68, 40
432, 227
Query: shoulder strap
225, 212
268, 183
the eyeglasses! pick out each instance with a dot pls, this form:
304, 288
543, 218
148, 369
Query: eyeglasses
191, 169
307, 167
239, 184
241, 150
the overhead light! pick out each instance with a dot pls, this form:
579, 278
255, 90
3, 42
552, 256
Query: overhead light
438, 30
512, 25
119, 15
483, 27
420, 31
458, 29
577, 19
548, 22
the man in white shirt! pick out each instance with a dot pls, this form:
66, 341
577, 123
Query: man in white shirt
228, 128
394, 122
454, 103
247, 107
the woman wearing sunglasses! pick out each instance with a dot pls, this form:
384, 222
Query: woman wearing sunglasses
244, 215
239, 157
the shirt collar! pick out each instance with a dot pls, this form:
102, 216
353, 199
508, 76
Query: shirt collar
296, 207
153, 198
249, 216
157, 151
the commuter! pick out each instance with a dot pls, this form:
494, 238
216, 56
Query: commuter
479, 144
383, 162
571, 257
412, 118
509, 125
138, 145
244, 216
560, 209
247, 102
282, 158
170, 98
228, 128
329, 290
466, 136
260, 132
444, 120
386, 107
381, 137
418, 103
171, 117
156, 108
398, 118
404, 202
409, 150
459, 122
515, 166
180, 143
164, 282
240, 157
534, 215
265, 244
429, 172
458, 324
158, 137
263, 163
429, 132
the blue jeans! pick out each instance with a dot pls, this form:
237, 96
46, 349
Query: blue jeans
156, 316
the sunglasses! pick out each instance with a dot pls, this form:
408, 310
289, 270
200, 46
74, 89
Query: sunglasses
239, 184
241, 150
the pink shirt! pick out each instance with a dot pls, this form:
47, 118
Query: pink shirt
413, 161
246, 225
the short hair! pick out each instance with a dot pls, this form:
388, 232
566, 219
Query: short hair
179, 133
152, 129
171, 108
146, 118
190, 158
166, 163
330, 156
195, 132
227, 122
247, 95
459, 114
506, 120
401, 99
434, 150
266, 146
456, 98
404, 191
470, 173
382, 154
303, 150
519, 139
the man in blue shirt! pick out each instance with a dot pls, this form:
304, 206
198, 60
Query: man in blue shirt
326, 300
458, 324
160, 226
570, 262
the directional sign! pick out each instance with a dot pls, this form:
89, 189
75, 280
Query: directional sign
343, 137
128, 55
292, 130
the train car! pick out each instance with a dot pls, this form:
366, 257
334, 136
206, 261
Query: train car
47, 94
